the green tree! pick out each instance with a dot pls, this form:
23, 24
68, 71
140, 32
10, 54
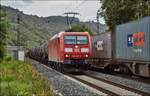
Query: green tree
121, 11
3, 30
116, 12
80, 28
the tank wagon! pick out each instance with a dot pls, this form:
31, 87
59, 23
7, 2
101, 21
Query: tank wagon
65, 50
132, 48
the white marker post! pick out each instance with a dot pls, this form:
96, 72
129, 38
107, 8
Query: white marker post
21, 55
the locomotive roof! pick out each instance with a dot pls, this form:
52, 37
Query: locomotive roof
74, 32
59, 34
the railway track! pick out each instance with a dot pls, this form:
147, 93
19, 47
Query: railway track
110, 88
104, 86
90, 74
107, 87
79, 78
126, 76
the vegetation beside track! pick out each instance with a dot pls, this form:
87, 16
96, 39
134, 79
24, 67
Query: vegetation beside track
20, 79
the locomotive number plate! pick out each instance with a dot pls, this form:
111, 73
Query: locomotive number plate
75, 56
76, 50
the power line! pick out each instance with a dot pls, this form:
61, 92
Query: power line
69, 22
67, 7
79, 5
72, 12
76, 7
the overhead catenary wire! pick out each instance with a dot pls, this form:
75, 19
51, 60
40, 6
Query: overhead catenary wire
72, 12
74, 6
79, 5
67, 7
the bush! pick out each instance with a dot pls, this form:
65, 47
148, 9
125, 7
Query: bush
8, 57
20, 79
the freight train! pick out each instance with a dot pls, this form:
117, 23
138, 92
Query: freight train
127, 52
65, 50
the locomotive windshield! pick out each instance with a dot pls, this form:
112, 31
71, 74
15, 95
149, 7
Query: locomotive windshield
70, 39
82, 40
76, 40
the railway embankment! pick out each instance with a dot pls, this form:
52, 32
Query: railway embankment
21, 79
63, 84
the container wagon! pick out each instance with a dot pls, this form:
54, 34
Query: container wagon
133, 46
131, 53
101, 49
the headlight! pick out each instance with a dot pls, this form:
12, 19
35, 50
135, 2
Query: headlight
84, 49
68, 50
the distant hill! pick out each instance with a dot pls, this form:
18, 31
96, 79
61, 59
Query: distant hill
35, 30
60, 19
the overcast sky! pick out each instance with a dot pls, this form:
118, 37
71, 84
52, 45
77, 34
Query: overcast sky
86, 8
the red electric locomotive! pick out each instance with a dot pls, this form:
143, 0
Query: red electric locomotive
70, 50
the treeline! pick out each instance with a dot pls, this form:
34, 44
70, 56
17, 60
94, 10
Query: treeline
121, 11
35, 30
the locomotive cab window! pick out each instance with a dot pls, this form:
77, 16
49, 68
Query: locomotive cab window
75, 39
82, 40
70, 39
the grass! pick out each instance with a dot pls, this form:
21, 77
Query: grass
20, 79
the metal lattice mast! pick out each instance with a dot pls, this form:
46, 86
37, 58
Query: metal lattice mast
97, 17
18, 31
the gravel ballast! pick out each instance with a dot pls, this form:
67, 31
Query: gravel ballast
63, 85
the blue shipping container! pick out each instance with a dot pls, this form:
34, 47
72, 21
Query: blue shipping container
133, 40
